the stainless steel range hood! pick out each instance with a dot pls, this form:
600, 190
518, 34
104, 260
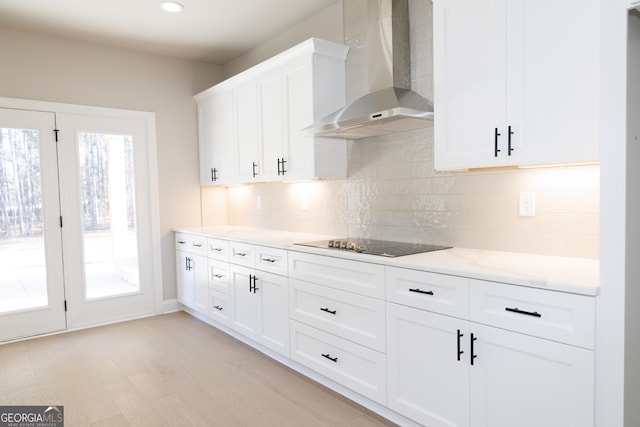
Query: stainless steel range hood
391, 106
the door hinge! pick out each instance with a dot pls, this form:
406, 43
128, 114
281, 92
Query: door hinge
65, 305
60, 221
56, 132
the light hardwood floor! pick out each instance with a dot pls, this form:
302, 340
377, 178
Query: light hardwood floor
170, 370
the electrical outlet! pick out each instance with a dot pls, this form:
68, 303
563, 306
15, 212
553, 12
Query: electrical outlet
527, 205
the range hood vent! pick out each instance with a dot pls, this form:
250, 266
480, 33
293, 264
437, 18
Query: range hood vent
391, 106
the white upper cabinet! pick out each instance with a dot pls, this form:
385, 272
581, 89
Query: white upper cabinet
215, 123
516, 82
271, 104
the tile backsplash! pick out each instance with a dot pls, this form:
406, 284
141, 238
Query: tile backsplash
393, 192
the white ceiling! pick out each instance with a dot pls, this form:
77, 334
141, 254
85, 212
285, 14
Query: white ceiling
214, 31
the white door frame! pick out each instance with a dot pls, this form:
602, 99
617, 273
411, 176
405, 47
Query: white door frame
152, 167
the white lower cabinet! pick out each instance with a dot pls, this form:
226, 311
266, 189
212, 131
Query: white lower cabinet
350, 364
260, 307
524, 381
191, 272
428, 379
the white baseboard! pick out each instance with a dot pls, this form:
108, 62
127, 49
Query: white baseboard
170, 306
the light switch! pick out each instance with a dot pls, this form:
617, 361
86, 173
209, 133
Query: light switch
527, 205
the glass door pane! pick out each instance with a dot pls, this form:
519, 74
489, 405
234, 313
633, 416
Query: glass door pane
23, 282
107, 184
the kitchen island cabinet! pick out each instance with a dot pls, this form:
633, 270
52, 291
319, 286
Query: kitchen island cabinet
514, 82
440, 338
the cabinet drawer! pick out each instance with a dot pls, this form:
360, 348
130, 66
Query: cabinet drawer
218, 249
354, 317
359, 368
219, 277
242, 254
557, 316
429, 291
220, 307
353, 276
273, 260
191, 243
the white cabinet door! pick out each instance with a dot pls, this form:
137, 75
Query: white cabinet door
529, 382
245, 105
273, 293
201, 283
260, 303
272, 125
185, 279
215, 123
428, 366
469, 82
552, 65
299, 91
512, 85
246, 307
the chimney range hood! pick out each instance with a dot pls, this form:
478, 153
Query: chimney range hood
391, 106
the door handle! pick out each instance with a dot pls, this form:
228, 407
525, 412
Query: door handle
496, 150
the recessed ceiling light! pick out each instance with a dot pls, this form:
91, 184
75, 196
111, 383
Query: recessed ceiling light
171, 6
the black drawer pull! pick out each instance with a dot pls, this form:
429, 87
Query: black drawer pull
182, 242
218, 276
197, 245
240, 253
217, 307
420, 291
328, 356
327, 310
528, 313
271, 260
217, 249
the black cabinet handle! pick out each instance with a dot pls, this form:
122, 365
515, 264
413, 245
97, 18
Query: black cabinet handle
214, 174
473, 354
271, 260
218, 307
217, 249
326, 309
281, 163
528, 313
254, 165
188, 263
197, 245
252, 283
218, 276
460, 352
509, 142
420, 291
495, 144
240, 253
328, 356
182, 242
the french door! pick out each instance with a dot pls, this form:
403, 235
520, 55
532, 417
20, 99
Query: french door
31, 266
76, 240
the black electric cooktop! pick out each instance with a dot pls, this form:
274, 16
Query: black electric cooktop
374, 247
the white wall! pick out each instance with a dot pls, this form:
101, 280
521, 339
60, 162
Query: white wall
326, 24
52, 69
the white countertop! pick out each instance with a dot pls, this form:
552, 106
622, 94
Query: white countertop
574, 275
